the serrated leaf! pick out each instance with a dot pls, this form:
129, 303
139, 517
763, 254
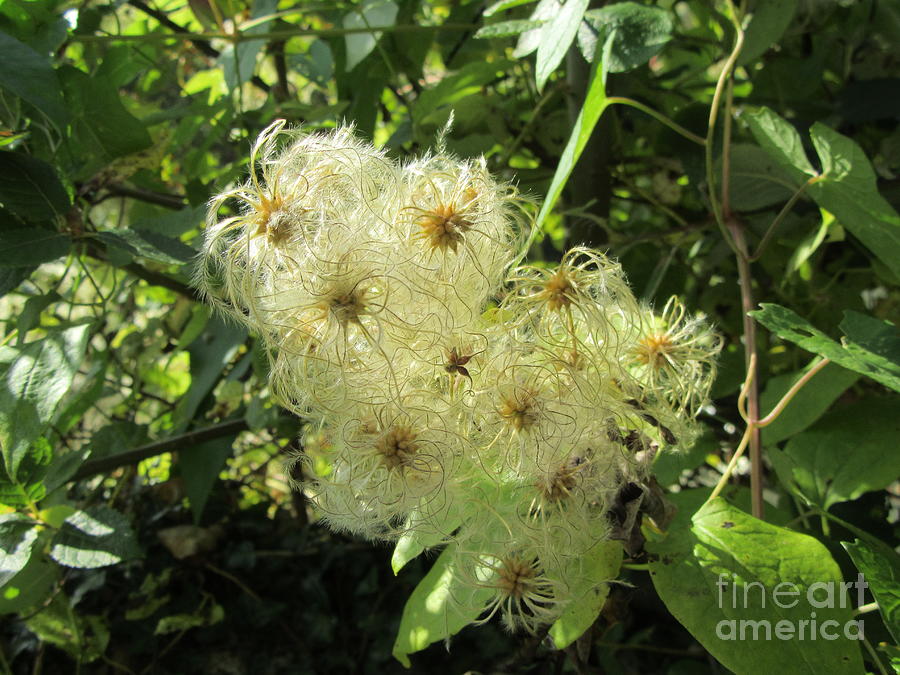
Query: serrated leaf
848, 453
556, 36
374, 13
722, 550
788, 325
440, 606
808, 405
591, 588
35, 378
17, 536
30, 188
31, 77
641, 32
95, 537
881, 568
503, 29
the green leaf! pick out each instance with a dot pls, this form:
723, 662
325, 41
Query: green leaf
35, 378
504, 5
599, 566
200, 467
440, 606
595, 103
207, 615
149, 245
808, 404
780, 139
31, 77
17, 536
102, 128
722, 568
556, 36
85, 638
28, 487
27, 247
31, 313
467, 81
757, 180
881, 568
848, 189
529, 40
768, 22
31, 189
641, 32
374, 13
416, 539
877, 364
209, 354
238, 63
847, 453
29, 587
95, 537
503, 29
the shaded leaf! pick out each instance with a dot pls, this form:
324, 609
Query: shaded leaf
721, 550
847, 453
31, 77
467, 81
768, 22
27, 247
808, 405
95, 537
503, 29
757, 180
374, 13
28, 486
29, 587
641, 31
30, 188
85, 638
200, 468
208, 615
781, 140
33, 380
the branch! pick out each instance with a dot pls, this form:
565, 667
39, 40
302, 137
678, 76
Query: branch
181, 443
169, 201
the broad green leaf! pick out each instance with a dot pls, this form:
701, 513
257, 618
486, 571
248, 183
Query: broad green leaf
768, 21
719, 572
171, 223
200, 467
440, 606
811, 242
556, 36
27, 247
641, 32
11, 277
374, 13
102, 129
881, 568
599, 566
34, 379
95, 537
85, 638
239, 62
17, 536
31, 189
876, 340
31, 77
595, 103
529, 40
28, 487
757, 180
416, 539
503, 29
504, 5
149, 245
847, 453
209, 354
808, 405
467, 81
29, 587
780, 139
788, 325
31, 313
848, 190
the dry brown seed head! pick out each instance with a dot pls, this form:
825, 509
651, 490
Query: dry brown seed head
558, 485
558, 291
520, 409
516, 577
397, 446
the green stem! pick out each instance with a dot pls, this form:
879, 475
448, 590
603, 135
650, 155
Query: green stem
875, 658
659, 117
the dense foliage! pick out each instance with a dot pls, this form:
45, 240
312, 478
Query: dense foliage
742, 156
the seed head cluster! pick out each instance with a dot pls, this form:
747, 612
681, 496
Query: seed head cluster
451, 397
